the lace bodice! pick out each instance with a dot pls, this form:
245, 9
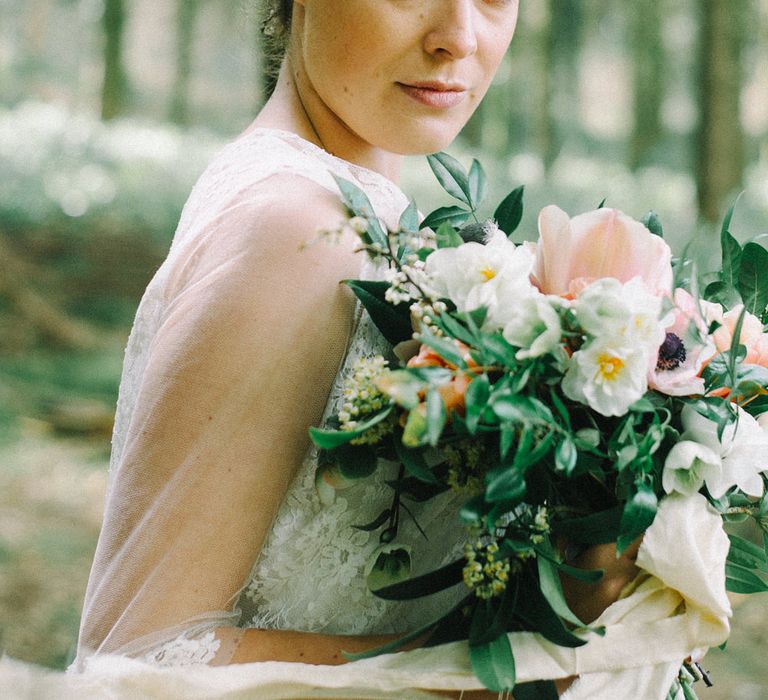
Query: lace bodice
310, 572
310, 575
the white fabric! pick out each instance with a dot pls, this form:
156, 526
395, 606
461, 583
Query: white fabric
648, 632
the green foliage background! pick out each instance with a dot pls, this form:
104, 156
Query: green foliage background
88, 208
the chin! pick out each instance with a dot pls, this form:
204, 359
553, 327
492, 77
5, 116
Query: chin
420, 141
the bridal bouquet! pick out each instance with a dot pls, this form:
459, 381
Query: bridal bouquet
565, 388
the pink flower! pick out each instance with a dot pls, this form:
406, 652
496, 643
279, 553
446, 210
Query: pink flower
685, 352
752, 335
571, 253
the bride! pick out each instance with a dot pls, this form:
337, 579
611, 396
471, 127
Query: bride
215, 548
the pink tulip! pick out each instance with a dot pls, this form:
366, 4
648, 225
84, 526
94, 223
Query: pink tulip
572, 253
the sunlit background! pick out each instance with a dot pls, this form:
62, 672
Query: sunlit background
109, 111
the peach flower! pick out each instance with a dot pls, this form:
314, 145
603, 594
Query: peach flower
453, 392
571, 253
752, 335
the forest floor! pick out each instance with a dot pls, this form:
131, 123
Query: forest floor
51, 493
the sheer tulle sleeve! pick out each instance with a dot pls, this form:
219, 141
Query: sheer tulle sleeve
249, 337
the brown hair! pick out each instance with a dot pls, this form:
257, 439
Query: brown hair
275, 19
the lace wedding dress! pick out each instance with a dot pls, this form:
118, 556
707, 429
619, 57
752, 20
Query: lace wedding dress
176, 561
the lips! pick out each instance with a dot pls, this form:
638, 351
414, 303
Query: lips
435, 94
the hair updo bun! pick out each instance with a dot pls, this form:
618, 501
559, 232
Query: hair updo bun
276, 18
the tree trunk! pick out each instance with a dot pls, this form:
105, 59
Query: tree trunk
560, 41
115, 85
720, 142
186, 19
648, 65
546, 129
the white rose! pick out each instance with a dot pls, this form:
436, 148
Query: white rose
743, 451
535, 327
609, 309
496, 275
607, 377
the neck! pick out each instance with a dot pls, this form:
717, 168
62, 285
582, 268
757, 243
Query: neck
295, 106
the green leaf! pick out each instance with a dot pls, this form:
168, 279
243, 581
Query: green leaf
376, 523
436, 416
745, 553
455, 329
394, 322
566, 456
494, 664
741, 580
331, 439
409, 219
397, 644
525, 457
414, 462
476, 398
415, 489
452, 216
473, 510
553, 591
589, 575
425, 585
451, 175
507, 438
731, 251
355, 461
721, 293
478, 184
753, 279
358, 203
734, 350
447, 237
500, 349
562, 411
638, 515
505, 484
509, 213
523, 409
653, 223
538, 613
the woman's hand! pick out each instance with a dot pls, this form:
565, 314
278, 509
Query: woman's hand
589, 600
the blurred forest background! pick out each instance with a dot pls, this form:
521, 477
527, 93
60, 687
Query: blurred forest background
109, 111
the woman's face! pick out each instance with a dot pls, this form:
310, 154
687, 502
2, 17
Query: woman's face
403, 75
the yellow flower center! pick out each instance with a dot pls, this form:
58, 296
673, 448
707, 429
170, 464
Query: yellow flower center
488, 272
610, 367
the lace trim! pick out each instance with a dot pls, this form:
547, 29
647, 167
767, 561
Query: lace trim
184, 651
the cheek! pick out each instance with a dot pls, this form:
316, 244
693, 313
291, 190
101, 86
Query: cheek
341, 56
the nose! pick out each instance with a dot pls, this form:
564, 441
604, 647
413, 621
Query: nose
452, 31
